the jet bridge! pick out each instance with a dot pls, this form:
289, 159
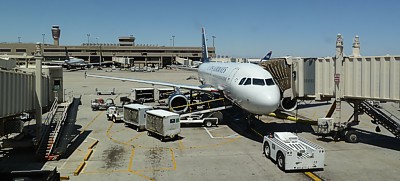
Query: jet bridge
352, 79
17, 87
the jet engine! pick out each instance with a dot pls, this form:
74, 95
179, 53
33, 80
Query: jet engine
288, 104
178, 103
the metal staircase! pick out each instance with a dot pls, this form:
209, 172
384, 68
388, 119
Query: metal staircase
384, 118
50, 134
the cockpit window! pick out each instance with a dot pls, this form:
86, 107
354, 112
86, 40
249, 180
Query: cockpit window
269, 81
258, 81
241, 81
248, 81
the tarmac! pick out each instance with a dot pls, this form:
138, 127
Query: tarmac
231, 151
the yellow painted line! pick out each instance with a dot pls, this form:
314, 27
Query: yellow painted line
90, 151
173, 158
257, 132
313, 176
123, 129
109, 136
131, 159
134, 138
104, 171
64, 177
291, 118
91, 122
93, 144
141, 175
181, 146
79, 169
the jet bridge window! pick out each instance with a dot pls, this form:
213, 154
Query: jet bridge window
241, 81
269, 81
248, 81
258, 82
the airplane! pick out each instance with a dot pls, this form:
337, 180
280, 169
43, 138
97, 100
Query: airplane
265, 58
248, 86
69, 62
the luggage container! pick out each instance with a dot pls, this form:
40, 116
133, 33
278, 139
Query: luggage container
163, 123
141, 95
135, 114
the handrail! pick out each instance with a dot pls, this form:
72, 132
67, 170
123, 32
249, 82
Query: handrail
57, 129
49, 117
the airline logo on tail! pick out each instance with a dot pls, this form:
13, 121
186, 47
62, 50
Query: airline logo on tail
204, 50
267, 56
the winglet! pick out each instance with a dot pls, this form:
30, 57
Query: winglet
267, 56
204, 50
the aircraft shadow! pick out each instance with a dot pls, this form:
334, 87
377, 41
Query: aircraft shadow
258, 129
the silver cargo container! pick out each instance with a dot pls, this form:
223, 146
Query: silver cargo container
135, 114
163, 123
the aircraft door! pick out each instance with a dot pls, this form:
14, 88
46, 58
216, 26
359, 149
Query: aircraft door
231, 78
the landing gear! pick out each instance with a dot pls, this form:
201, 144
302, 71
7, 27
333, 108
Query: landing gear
351, 136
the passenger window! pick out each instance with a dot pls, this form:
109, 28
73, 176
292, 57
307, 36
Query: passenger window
248, 81
172, 121
258, 82
241, 81
269, 81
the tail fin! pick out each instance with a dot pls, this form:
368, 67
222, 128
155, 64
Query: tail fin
204, 50
267, 56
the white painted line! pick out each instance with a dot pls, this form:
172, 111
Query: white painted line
208, 132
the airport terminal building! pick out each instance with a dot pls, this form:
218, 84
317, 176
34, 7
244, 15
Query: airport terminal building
94, 52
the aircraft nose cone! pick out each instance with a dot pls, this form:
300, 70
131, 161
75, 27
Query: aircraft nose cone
266, 101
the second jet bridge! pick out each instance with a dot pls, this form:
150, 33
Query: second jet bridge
371, 77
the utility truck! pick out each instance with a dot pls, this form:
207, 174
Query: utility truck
114, 113
292, 152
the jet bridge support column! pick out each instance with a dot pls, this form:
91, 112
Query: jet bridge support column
38, 88
337, 78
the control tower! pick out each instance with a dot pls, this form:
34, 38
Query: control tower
55, 31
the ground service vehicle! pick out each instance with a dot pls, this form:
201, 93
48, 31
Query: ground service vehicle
292, 152
135, 114
199, 119
162, 123
99, 103
114, 113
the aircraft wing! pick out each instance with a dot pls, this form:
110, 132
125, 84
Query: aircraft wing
183, 67
168, 84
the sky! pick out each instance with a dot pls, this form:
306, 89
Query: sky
306, 28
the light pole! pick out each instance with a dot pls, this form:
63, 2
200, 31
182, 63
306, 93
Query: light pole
19, 39
173, 40
213, 37
88, 35
97, 40
43, 37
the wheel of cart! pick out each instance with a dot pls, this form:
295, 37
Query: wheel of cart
280, 159
138, 129
114, 119
108, 118
267, 150
149, 133
208, 123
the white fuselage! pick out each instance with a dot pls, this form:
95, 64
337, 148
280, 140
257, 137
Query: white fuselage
247, 85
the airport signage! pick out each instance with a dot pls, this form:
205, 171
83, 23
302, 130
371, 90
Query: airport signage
337, 78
